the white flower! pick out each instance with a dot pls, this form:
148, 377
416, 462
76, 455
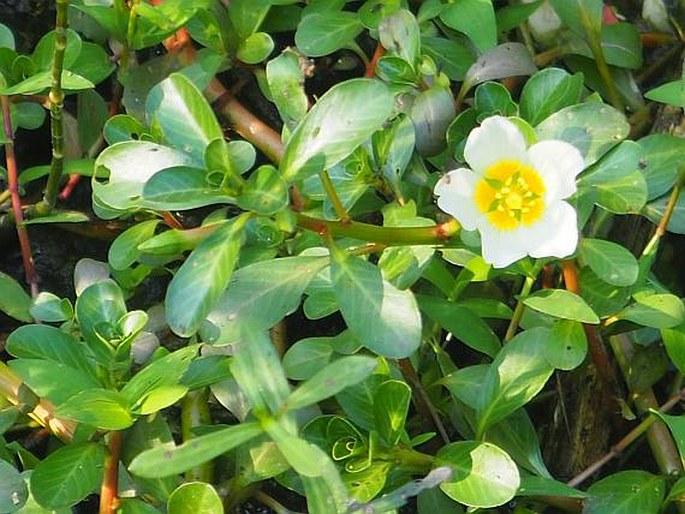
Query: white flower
513, 195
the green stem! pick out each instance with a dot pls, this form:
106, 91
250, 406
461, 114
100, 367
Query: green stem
332, 194
56, 108
195, 412
518, 311
436, 235
605, 73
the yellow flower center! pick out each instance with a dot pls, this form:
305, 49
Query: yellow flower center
510, 194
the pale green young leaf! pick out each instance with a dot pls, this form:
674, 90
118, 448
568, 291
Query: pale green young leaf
196, 497
484, 475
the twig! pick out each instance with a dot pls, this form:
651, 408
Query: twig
423, 403
13, 185
627, 440
518, 310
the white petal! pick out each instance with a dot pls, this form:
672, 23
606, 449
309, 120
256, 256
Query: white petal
556, 234
558, 163
456, 196
496, 139
501, 247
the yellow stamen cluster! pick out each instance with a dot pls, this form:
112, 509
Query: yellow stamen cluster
510, 193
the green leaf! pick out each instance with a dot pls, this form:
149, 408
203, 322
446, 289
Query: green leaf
165, 460
163, 372
453, 57
303, 456
655, 310
561, 304
255, 48
131, 164
286, 84
265, 193
332, 379
92, 63
68, 475
14, 301
124, 250
505, 60
517, 374
182, 188
655, 210
307, 356
475, 18
390, 409
593, 129
49, 343
492, 98
6, 37
672, 93
13, 490
604, 298
674, 341
43, 80
100, 408
384, 319
340, 121
98, 310
40, 375
432, 112
626, 492
203, 277
399, 34
511, 16
567, 347
183, 115
609, 261
660, 160
548, 91
196, 497
677, 492
261, 294
544, 486
462, 323
484, 475
323, 33
583, 17
257, 368
517, 436
619, 186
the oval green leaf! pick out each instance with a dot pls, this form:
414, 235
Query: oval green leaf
562, 304
339, 122
484, 475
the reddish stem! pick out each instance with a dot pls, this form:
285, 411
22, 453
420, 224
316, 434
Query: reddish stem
13, 185
371, 67
109, 500
600, 356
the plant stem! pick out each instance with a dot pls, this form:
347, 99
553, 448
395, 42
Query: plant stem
604, 72
109, 491
435, 235
56, 107
13, 186
518, 311
332, 194
598, 351
195, 412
